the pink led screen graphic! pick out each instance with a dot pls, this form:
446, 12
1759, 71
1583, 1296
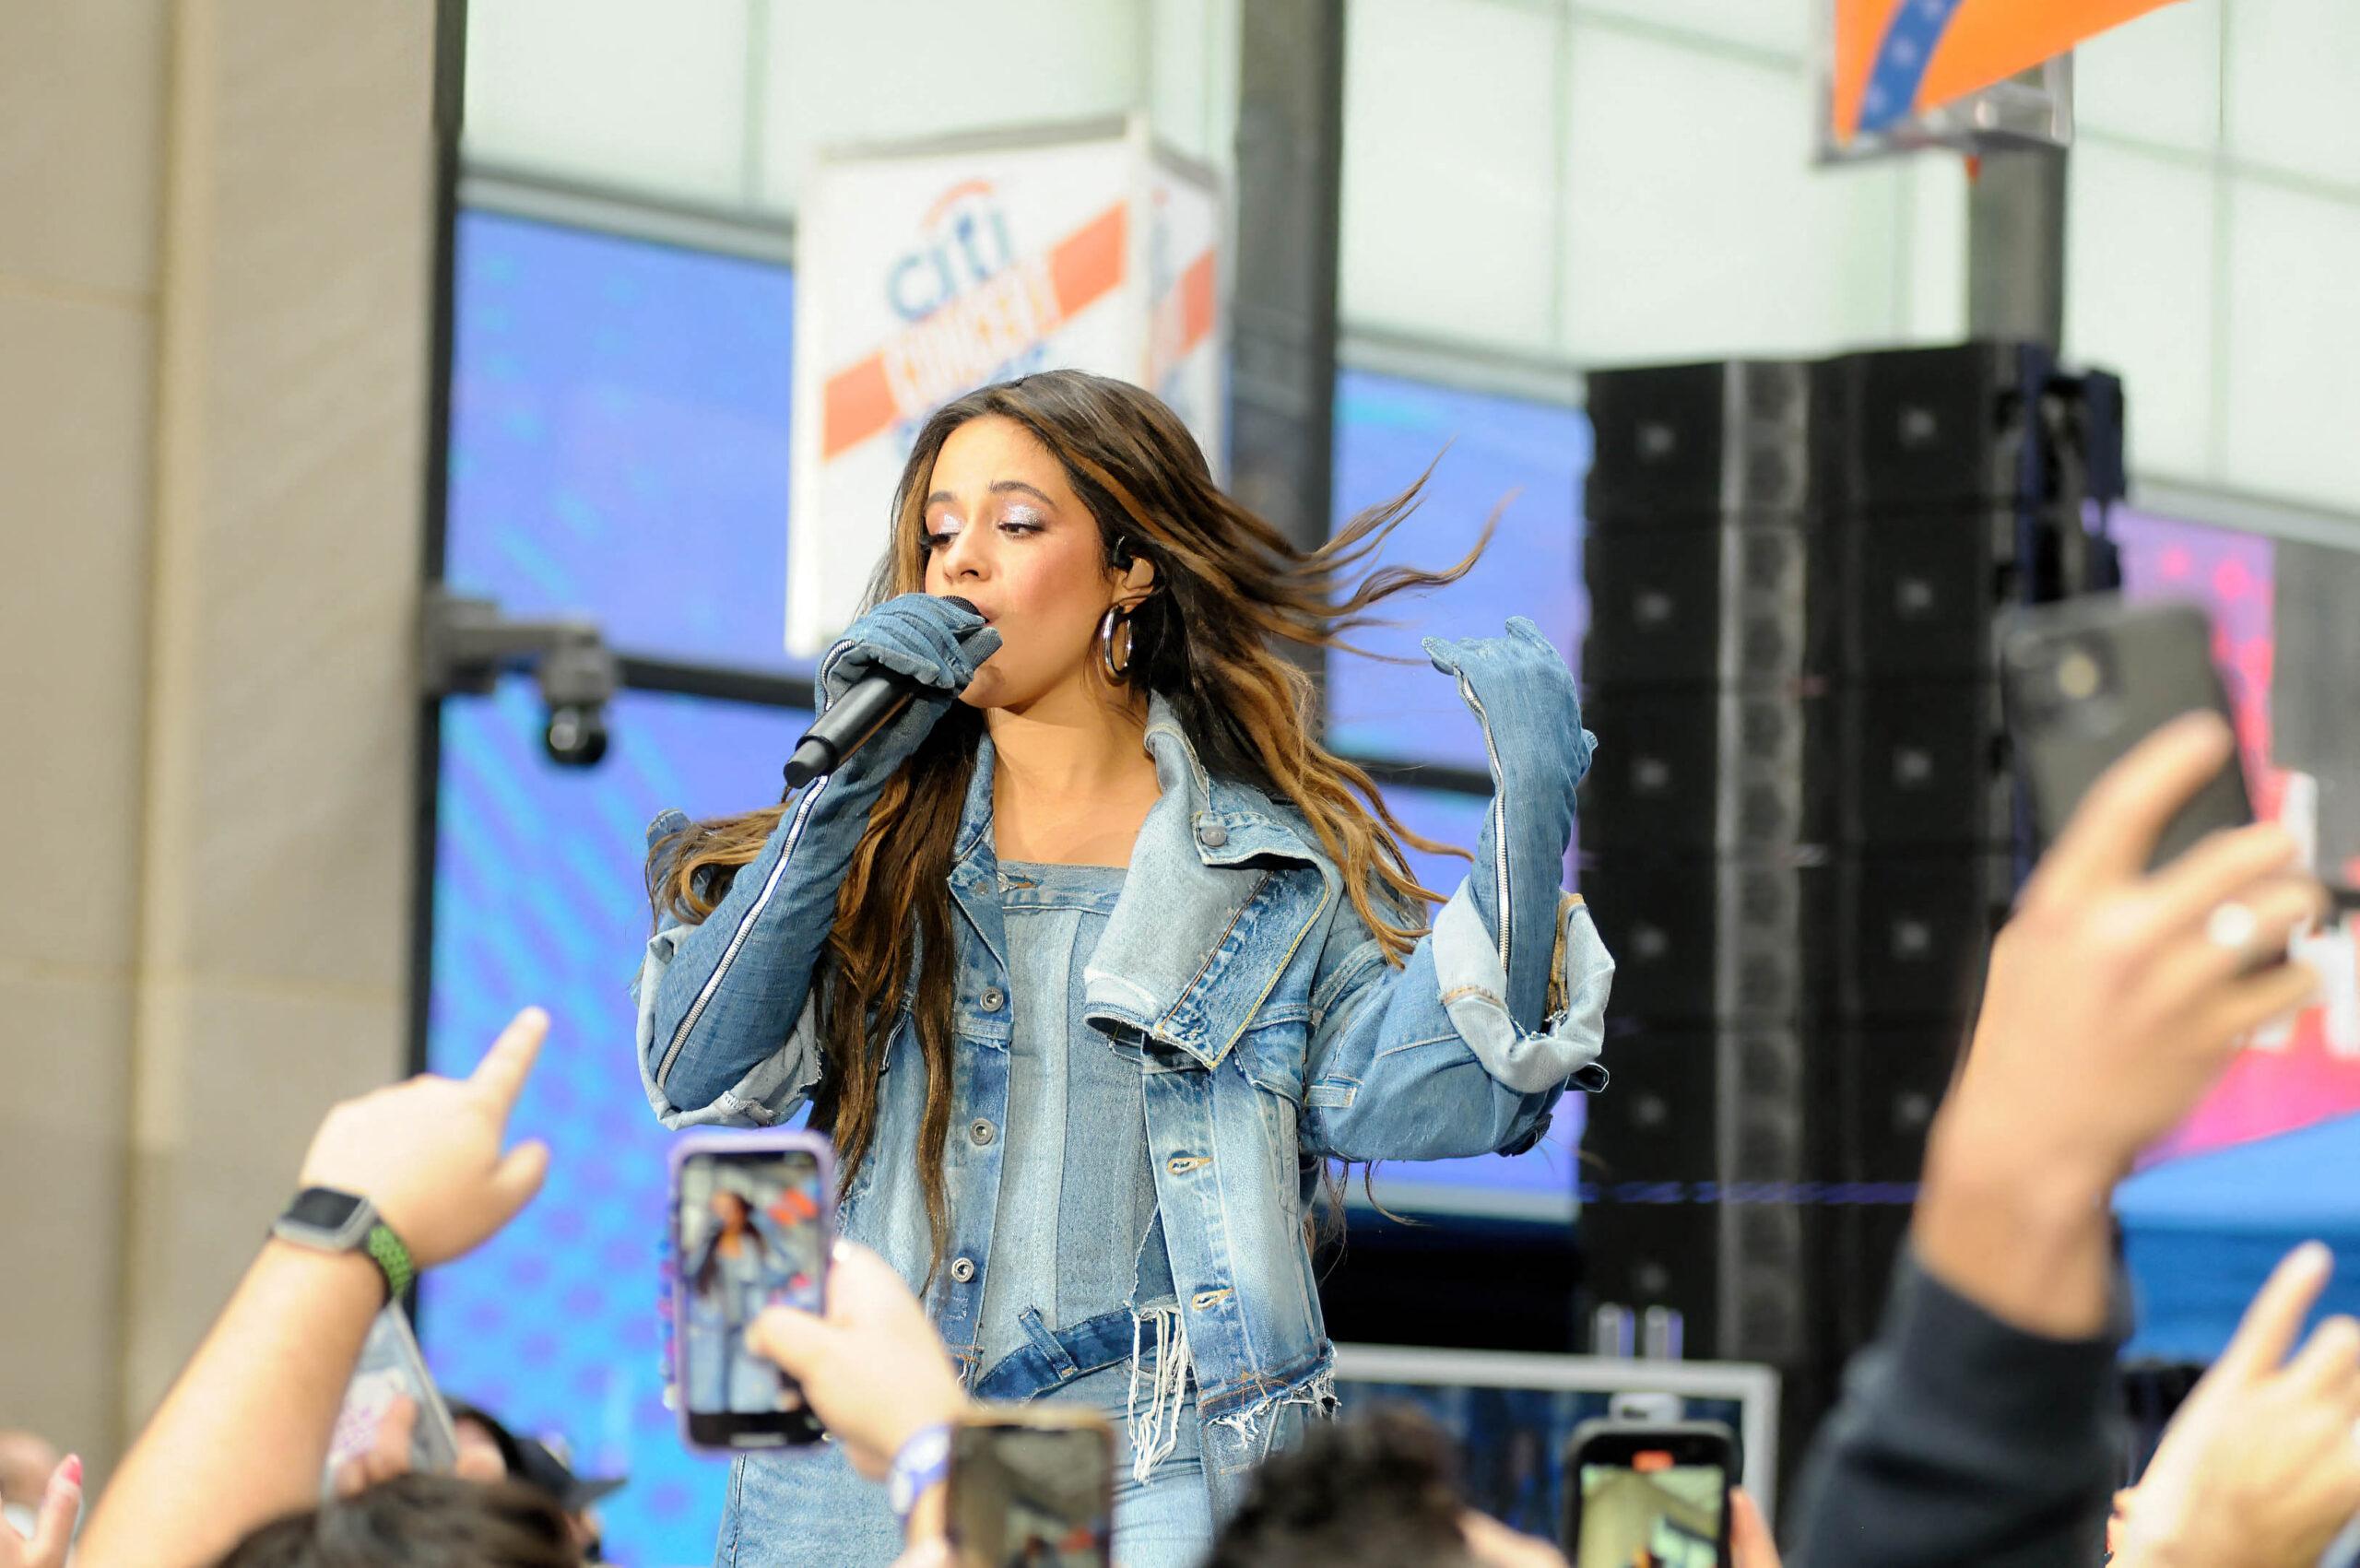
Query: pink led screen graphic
2308, 1071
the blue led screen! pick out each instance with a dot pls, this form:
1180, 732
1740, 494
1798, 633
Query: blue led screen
553, 1326
618, 419
1525, 460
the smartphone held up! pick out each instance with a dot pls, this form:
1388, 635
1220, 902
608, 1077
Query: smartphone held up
391, 1368
1647, 1495
1031, 1485
2085, 681
752, 1220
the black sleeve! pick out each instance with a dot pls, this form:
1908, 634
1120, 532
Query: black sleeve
1961, 1440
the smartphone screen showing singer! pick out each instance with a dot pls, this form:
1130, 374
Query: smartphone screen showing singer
1650, 1513
752, 1235
1029, 1496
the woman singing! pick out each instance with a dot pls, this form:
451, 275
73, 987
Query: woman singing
1093, 959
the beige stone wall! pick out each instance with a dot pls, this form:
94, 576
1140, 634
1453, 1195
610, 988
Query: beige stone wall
215, 221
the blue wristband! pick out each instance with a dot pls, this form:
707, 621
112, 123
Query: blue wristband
922, 1463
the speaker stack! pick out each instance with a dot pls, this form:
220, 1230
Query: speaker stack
1799, 827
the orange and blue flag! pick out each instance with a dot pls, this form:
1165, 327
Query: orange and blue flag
1896, 59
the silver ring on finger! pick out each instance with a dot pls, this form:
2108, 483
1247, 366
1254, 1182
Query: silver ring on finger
2232, 926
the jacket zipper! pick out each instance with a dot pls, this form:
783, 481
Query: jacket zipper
1499, 836
738, 937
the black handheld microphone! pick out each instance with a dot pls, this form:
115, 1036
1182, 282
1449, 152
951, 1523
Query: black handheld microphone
868, 707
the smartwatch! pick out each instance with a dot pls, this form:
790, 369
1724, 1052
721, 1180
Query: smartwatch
329, 1221
923, 1461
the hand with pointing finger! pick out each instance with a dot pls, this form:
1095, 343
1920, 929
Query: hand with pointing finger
427, 1153
2260, 1467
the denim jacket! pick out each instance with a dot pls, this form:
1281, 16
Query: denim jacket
1271, 1032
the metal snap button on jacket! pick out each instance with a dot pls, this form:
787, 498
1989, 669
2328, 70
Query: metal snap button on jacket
962, 1270
981, 1131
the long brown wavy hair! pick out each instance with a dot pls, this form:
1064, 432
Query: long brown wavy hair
1232, 592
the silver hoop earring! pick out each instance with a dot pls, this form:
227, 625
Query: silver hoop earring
1115, 618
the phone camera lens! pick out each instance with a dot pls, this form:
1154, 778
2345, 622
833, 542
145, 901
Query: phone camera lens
2078, 675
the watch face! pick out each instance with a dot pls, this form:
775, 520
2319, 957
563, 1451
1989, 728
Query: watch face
322, 1208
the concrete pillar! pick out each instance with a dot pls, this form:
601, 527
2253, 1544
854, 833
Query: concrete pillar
214, 330
81, 145
1282, 301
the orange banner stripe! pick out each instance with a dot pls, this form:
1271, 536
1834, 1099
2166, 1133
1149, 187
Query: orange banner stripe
1087, 263
1860, 26
1195, 290
857, 401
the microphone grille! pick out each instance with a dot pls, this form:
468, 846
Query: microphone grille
962, 604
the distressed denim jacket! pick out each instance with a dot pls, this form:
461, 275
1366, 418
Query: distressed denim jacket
1270, 1031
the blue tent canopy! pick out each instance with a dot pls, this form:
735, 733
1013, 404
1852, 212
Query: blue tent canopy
2200, 1233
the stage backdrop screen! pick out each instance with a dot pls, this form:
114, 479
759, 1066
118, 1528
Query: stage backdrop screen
1519, 465
618, 449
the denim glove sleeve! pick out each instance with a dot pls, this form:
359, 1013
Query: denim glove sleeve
1523, 695
765, 1094
1466, 1046
927, 640
732, 988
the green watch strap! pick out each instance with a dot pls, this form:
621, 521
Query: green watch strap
393, 1259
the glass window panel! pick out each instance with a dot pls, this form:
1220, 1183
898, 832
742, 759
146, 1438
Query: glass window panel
848, 74
1782, 25
2287, 99
2294, 349
2139, 297
1450, 195
1531, 455
1695, 224
2156, 78
1193, 85
612, 92
553, 1324
619, 437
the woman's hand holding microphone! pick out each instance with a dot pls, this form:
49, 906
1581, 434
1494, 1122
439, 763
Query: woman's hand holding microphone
893, 673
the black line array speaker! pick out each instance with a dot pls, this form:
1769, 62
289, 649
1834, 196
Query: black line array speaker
1799, 828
